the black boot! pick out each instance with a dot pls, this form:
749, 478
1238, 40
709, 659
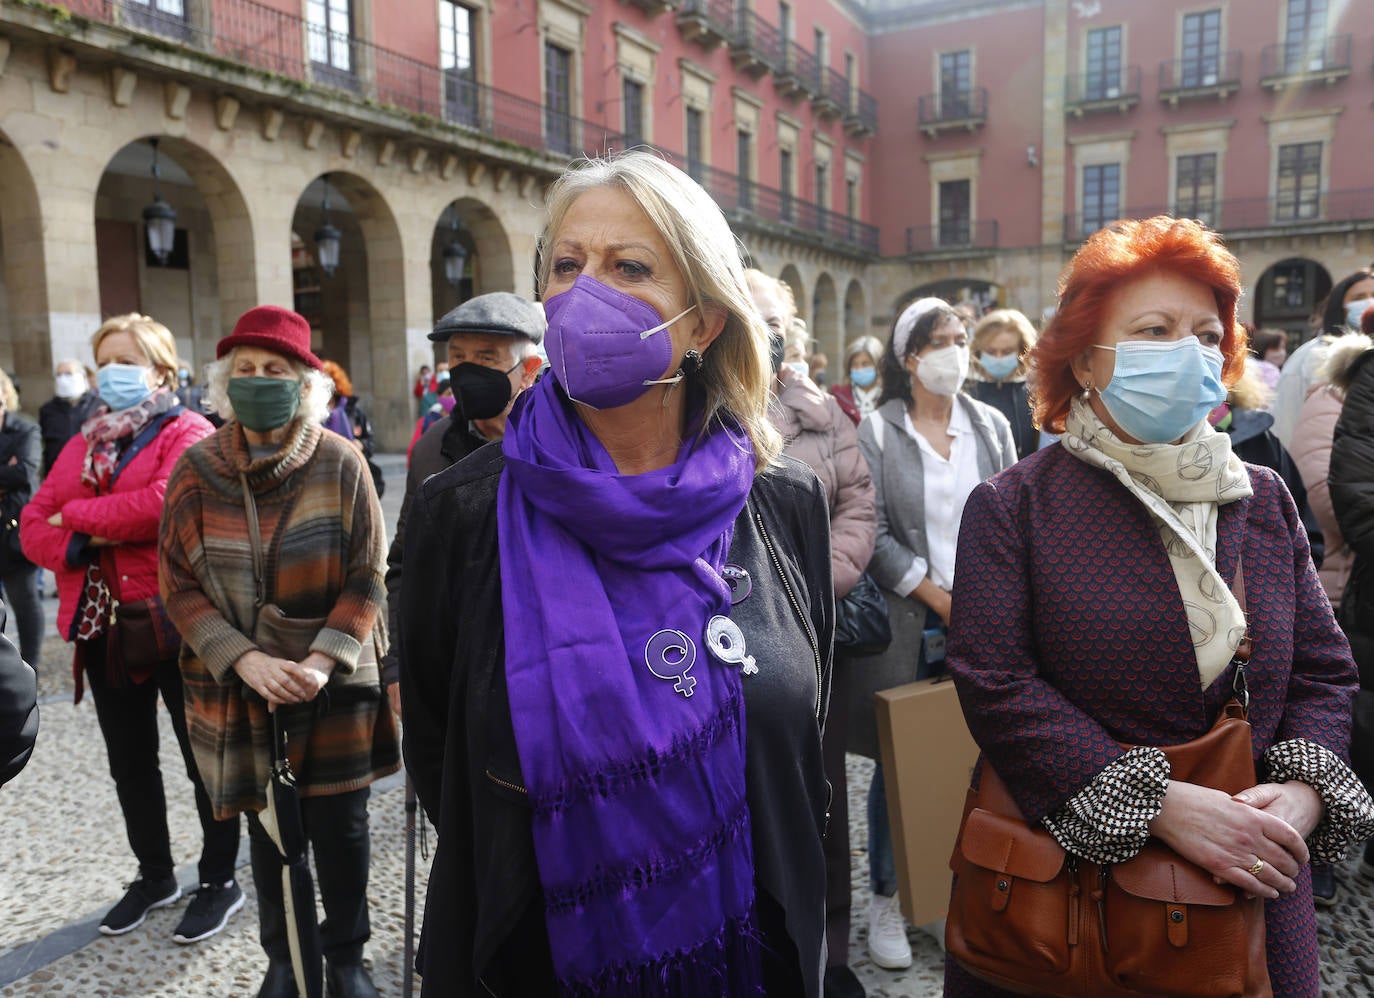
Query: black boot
349, 980
280, 981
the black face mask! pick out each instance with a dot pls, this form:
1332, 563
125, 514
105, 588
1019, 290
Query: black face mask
776, 349
481, 392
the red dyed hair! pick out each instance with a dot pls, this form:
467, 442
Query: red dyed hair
342, 383
1112, 256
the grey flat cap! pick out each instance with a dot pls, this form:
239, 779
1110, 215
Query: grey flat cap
499, 313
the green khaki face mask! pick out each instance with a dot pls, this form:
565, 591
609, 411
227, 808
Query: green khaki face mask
264, 404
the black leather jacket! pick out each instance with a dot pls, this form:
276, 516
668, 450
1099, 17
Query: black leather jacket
18, 709
479, 935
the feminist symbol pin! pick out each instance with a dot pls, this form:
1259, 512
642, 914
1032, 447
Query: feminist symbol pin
670, 654
726, 642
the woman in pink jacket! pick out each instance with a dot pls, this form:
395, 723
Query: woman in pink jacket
94, 523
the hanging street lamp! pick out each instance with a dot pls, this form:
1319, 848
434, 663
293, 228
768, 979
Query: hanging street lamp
159, 218
327, 237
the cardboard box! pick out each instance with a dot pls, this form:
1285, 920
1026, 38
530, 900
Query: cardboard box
928, 756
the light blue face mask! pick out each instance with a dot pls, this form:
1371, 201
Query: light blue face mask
863, 376
122, 386
999, 368
1160, 391
1355, 309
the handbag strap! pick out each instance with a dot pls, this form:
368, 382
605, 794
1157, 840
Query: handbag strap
1240, 684
250, 507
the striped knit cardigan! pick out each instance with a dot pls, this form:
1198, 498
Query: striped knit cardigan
324, 546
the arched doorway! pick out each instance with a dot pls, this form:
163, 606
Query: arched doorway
356, 313
1288, 294
487, 261
984, 295
792, 278
825, 312
206, 278
25, 343
855, 312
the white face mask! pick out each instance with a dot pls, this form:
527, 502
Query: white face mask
943, 371
800, 366
69, 385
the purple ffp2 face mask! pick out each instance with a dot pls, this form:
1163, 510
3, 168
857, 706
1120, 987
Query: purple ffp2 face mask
606, 348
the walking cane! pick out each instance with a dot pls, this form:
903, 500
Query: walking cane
408, 981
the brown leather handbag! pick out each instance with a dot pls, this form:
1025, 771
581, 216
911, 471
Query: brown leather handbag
1030, 918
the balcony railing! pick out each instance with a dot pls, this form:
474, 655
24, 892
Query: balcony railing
832, 92
862, 116
1105, 90
1216, 75
253, 35
1320, 60
1344, 207
799, 72
707, 22
952, 109
756, 46
946, 237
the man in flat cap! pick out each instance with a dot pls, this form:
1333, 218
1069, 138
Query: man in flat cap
491, 359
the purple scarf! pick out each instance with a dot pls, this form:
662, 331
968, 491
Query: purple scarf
634, 766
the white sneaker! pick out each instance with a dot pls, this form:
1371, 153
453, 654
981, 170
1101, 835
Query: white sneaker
887, 942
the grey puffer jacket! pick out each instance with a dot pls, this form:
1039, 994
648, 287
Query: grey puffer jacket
817, 433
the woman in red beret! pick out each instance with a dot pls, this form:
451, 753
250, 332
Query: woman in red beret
272, 479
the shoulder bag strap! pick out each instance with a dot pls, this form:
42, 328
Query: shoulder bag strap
250, 507
1240, 684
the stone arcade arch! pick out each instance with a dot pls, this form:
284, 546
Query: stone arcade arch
855, 312
792, 278
490, 264
1287, 295
825, 317
24, 306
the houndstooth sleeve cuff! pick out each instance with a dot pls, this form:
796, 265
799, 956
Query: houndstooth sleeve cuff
1348, 814
1108, 821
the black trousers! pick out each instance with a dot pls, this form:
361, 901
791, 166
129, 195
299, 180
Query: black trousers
21, 593
837, 858
128, 720
337, 829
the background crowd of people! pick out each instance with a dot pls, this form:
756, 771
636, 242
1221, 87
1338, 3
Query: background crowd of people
607, 612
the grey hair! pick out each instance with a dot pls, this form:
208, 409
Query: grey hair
870, 345
737, 373
317, 388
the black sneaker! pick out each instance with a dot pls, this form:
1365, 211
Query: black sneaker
208, 912
1323, 885
142, 897
1367, 860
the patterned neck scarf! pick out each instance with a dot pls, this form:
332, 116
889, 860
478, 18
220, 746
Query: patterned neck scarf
628, 720
1180, 485
106, 428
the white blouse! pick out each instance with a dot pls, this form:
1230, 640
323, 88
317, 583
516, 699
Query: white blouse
947, 484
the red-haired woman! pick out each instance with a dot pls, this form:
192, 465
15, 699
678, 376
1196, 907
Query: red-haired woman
1093, 603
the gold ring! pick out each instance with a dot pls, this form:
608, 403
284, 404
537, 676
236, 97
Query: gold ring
1255, 870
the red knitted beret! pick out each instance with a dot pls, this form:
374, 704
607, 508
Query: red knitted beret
271, 327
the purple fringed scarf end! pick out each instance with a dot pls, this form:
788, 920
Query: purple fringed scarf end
728, 964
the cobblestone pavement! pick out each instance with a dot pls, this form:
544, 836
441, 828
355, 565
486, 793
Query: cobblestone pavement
65, 861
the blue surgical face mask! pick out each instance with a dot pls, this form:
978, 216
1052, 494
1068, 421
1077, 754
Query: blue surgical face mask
1355, 309
999, 368
863, 376
800, 366
1160, 391
122, 386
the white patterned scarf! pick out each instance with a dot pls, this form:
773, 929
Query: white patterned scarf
1181, 485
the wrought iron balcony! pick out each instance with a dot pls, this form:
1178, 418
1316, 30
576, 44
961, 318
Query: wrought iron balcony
1323, 211
1214, 76
707, 22
861, 117
1115, 90
799, 73
957, 236
756, 47
1317, 61
951, 110
655, 7
832, 93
